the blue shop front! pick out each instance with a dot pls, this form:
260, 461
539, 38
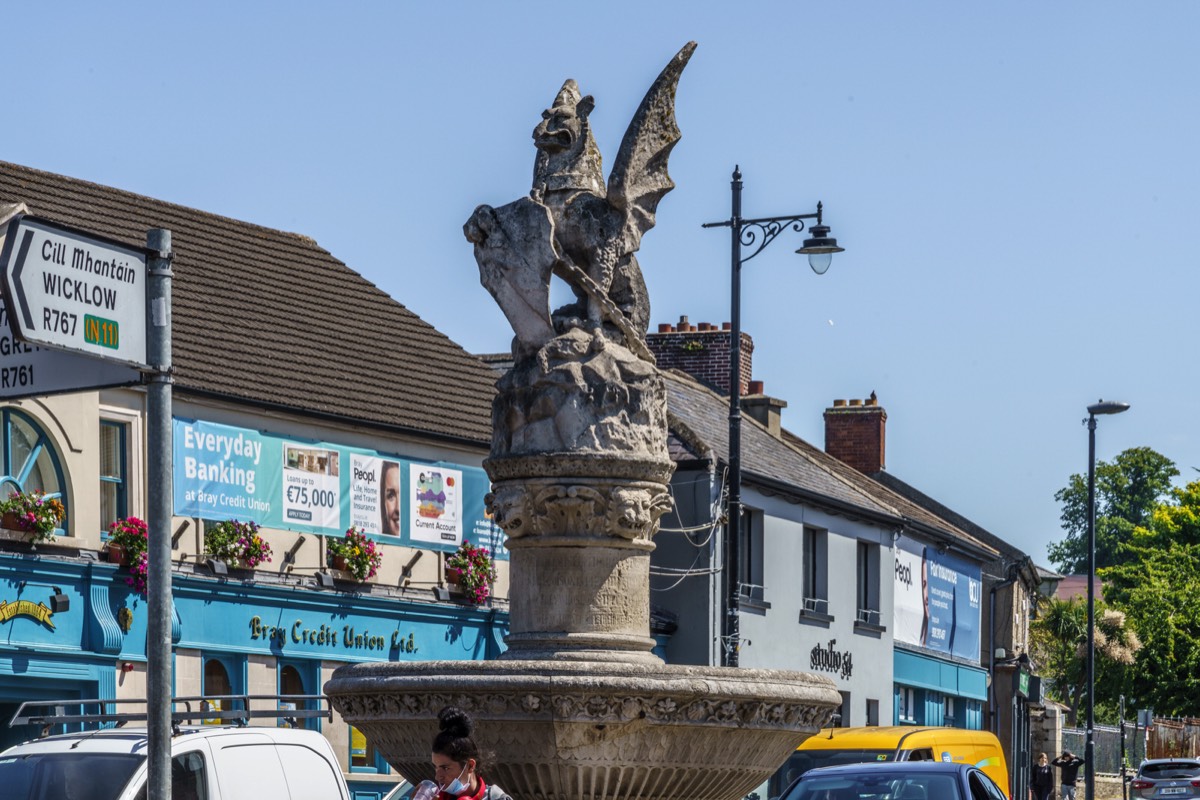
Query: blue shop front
73, 629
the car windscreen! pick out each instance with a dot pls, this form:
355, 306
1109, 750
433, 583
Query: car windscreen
877, 785
66, 776
1173, 769
802, 761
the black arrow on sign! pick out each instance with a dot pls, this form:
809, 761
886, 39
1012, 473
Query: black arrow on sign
24, 251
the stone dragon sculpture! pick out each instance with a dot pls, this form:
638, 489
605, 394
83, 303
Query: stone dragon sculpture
573, 226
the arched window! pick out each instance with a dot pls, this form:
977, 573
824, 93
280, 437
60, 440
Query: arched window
30, 460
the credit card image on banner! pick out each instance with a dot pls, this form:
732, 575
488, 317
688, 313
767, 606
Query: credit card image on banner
312, 491
435, 507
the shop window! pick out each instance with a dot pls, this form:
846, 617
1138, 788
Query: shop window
298, 678
363, 755
30, 461
222, 678
906, 710
815, 572
114, 481
843, 720
948, 718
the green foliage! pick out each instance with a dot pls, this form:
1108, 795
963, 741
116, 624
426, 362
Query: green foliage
1127, 492
1158, 587
1059, 644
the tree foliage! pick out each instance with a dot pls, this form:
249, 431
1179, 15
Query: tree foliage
1127, 492
1158, 586
1059, 643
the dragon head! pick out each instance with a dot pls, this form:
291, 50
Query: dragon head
568, 157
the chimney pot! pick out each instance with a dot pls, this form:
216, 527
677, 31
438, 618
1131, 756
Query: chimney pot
839, 403
683, 322
665, 327
726, 326
756, 387
855, 402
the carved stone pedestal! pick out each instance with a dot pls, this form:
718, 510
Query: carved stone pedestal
592, 731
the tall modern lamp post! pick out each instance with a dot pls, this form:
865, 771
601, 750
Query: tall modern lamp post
754, 234
1089, 753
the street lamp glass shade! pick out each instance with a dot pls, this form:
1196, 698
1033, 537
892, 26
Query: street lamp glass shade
820, 262
820, 249
1107, 407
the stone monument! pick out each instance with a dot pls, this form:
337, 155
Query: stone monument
578, 707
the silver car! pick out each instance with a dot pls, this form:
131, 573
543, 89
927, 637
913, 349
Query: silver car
1161, 778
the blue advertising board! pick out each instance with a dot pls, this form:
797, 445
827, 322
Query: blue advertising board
936, 600
291, 483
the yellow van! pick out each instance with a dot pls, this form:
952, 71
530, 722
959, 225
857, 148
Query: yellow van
900, 743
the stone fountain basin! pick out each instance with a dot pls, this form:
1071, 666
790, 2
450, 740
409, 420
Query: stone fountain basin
592, 730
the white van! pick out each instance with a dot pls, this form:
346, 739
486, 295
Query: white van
216, 761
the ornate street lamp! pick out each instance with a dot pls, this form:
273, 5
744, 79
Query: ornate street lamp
1089, 753
754, 234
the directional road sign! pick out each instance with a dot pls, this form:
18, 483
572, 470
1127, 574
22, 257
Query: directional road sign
27, 370
75, 291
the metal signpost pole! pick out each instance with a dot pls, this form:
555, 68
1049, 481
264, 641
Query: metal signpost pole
159, 469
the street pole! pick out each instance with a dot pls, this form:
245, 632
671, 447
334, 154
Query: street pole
757, 234
732, 639
1089, 753
158, 467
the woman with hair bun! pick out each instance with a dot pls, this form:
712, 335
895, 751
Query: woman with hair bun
457, 762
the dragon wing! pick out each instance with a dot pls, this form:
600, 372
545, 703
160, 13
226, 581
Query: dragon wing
639, 177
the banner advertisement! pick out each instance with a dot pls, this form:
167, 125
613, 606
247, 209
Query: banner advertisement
937, 600
225, 472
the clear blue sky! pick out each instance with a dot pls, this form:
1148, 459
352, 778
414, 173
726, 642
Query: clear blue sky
1015, 184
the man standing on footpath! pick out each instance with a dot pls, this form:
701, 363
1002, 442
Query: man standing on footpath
1069, 763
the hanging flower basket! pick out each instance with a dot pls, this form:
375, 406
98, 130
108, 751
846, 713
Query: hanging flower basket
473, 569
236, 543
354, 553
128, 542
33, 513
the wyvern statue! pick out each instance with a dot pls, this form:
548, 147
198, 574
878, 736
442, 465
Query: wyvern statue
570, 225
578, 706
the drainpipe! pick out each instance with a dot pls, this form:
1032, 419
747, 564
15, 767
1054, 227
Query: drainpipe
992, 646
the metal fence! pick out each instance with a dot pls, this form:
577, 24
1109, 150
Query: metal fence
1107, 742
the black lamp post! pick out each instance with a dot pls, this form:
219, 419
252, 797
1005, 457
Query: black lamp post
755, 234
1089, 753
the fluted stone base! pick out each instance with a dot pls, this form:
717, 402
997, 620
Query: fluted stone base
593, 731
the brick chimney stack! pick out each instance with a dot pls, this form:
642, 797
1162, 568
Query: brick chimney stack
854, 433
702, 351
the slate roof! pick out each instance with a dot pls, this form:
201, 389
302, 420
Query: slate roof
270, 318
1009, 551
791, 466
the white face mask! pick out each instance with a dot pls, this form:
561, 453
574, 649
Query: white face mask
456, 786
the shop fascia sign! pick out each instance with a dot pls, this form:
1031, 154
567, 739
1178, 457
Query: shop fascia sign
345, 637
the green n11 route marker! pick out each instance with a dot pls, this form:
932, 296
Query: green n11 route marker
76, 291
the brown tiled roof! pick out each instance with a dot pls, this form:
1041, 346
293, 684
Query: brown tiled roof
269, 317
793, 465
